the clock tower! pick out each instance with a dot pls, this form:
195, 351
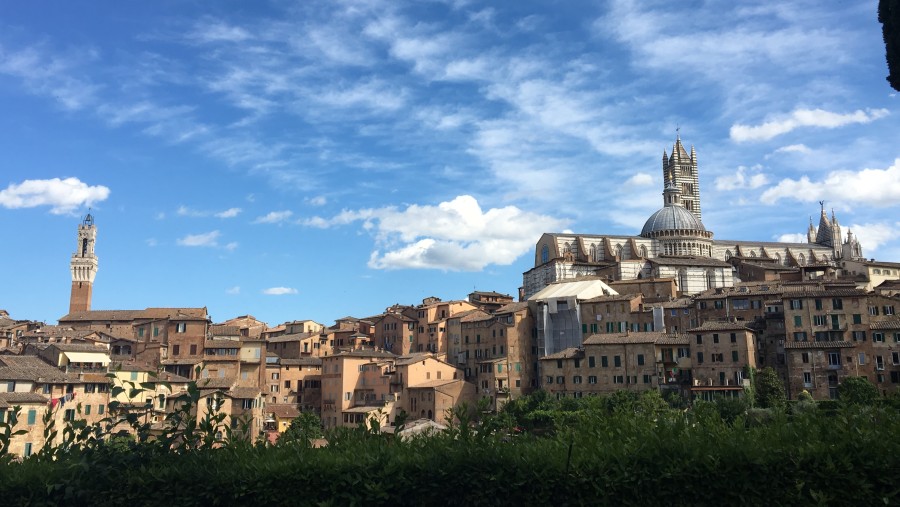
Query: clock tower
83, 266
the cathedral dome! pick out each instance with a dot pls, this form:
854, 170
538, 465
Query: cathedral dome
670, 218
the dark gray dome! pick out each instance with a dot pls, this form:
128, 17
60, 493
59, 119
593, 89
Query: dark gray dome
671, 218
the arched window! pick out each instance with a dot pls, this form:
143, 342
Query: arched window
594, 252
801, 259
752, 253
727, 254
619, 251
644, 251
545, 254
710, 279
777, 259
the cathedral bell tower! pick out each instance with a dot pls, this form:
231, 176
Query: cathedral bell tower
83, 266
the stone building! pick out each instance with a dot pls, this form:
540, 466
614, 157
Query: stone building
674, 243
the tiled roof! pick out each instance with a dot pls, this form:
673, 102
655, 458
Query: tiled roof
215, 383
512, 307
719, 325
31, 368
79, 347
9, 400
243, 393
222, 344
818, 345
303, 361
565, 354
623, 338
431, 384
893, 323
412, 358
284, 411
132, 315
613, 297
475, 316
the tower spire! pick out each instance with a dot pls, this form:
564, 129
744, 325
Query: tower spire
83, 266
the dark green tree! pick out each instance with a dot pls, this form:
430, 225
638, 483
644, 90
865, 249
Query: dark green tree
304, 427
769, 389
889, 17
857, 391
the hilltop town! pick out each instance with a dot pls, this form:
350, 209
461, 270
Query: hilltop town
671, 310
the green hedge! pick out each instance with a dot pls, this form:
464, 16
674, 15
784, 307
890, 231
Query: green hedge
849, 458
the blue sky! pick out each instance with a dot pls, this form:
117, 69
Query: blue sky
317, 159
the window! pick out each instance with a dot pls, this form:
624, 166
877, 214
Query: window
837, 304
101, 409
560, 379
140, 332
715, 338
287, 384
807, 379
155, 331
617, 361
576, 379
818, 304
549, 379
889, 310
578, 363
857, 318
796, 304
719, 304
640, 359
741, 304
69, 414
87, 410
895, 357
699, 339
647, 379
805, 357
798, 321
176, 350
180, 327
873, 310
859, 336
134, 375
834, 359
275, 375
592, 379
32, 416
591, 362
800, 336
27, 449
879, 362
603, 362
193, 350
878, 337
618, 379
820, 320
734, 356
699, 357
273, 388
733, 337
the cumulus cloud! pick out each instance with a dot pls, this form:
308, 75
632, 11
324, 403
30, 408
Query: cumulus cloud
274, 217
61, 195
190, 212
640, 180
874, 187
279, 291
741, 180
229, 213
455, 235
318, 200
792, 238
793, 148
205, 239
802, 118
872, 236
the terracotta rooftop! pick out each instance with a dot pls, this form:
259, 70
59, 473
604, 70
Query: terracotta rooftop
565, 354
719, 325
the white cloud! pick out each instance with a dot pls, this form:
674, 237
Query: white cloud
233, 290
62, 195
872, 236
455, 235
274, 217
318, 200
802, 118
229, 213
205, 239
231, 246
873, 187
640, 180
741, 180
151, 242
279, 291
792, 238
794, 148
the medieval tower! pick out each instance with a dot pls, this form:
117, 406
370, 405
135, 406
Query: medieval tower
83, 266
680, 171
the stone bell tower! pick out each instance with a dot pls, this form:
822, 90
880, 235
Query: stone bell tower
83, 266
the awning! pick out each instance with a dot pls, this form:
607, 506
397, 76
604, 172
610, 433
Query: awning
87, 357
360, 410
